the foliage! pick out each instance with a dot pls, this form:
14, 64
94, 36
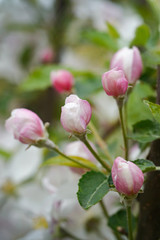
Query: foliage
145, 165
93, 186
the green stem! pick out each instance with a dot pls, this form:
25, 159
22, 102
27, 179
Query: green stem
104, 209
129, 221
50, 145
105, 212
123, 132
103, 163
100, 141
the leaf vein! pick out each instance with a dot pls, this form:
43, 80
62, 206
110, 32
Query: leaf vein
92, 195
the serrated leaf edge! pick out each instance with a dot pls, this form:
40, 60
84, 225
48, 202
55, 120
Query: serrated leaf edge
79, 191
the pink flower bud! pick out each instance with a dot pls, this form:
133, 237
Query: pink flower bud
128, 60
127, 177
47, 56
26, 126
62, 80
114, 83
75, 115
79, 149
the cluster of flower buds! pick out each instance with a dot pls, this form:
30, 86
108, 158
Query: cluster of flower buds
62, 81
127, 177
28, 128
126, 68
128, 60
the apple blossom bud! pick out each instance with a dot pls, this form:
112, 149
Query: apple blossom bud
26, 126
75, 115
47, 56
114, 83
62, 80
128, 60
127, 177
79, 149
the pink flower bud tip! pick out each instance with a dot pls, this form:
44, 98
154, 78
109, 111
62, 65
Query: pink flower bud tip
130, 61
62, 81
26, 126
114, 83
75, 115
127, 177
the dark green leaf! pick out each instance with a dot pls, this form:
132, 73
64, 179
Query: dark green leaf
155, 110
110, 182
93, 186
142, 35
119, 219
145, 165
26, 55
146, 131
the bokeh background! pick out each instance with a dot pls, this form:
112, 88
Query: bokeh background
36, 37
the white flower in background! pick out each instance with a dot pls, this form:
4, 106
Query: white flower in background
100, 11
105, 114
66, 206
23, 165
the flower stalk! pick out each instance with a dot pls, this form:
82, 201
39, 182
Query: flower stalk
124, 133
50, 145
105, 212
129, 221
100, 141
99, 159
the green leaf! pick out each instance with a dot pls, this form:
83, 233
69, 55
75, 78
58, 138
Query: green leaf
101, 39
155, 110
145, 131
137, 111
110, 182
142, 35
7, 95
59, 160
93, 186
112, 31
145, 165
119, 219
88, 86
151, 59
6, 155
39, 79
